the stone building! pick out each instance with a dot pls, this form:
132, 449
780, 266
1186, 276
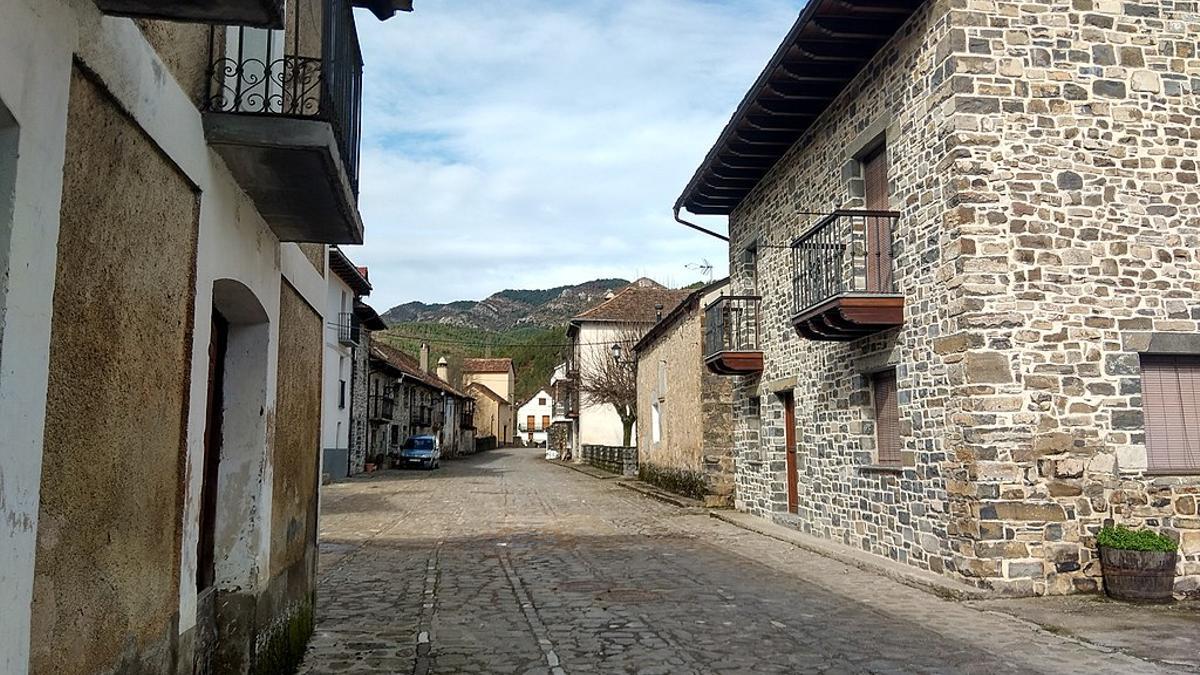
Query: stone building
495, 396
347, 340
970, 234
620, 320
163, 270
407, 399
685, 438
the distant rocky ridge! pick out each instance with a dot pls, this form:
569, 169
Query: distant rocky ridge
509, 308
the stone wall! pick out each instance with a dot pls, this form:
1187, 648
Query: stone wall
695, 409
623, 461
359, 401
903, 514
1078, 235
1044, 160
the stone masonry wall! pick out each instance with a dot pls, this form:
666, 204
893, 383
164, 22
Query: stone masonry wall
613, 459
904, 515
1078, 230
359, 402
696, 439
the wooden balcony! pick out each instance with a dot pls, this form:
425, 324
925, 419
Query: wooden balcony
257, 13
731, 335
844, 281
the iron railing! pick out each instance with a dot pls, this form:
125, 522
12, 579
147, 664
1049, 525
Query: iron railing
421, 416
467, 418
731, 324
846, 252
382, 407
566, 398
256, 71
349, 329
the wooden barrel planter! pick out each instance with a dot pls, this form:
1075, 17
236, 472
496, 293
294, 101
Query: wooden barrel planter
1138, 576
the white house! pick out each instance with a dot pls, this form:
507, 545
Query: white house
620, 321
534, 418
343, 335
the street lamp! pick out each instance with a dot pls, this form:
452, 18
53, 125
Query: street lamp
616, 352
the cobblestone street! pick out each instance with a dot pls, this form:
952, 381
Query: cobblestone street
503, 562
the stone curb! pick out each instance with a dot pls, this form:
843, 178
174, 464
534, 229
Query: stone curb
585, 469
867, 562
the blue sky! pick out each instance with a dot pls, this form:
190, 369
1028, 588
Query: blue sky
536, 143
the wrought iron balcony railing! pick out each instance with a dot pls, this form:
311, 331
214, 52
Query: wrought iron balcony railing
349, 329
382, 407
278, 73
421, 416
731, 335
844, 283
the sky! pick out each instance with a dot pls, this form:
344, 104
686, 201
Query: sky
540, 143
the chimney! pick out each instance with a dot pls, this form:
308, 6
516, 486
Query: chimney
424, 357
658, 311
443, 369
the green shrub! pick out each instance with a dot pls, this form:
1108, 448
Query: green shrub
680, 481
1134, 540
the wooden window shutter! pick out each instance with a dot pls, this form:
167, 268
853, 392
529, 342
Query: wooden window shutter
1171, 408
879, 241
887, 418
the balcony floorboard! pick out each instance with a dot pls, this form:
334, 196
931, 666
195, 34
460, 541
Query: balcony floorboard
843, 318
250, 13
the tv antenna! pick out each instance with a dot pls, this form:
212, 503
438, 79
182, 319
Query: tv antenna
704, 267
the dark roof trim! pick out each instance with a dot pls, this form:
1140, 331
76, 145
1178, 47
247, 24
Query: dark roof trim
689, 304
367, 316
384, 9
830, 43
340, 265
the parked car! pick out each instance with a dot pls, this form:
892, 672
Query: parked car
421, 451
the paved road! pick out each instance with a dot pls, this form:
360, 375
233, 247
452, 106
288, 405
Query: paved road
505, 563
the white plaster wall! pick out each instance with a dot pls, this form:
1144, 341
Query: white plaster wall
600, 424
532, 408
338, 298
36, 41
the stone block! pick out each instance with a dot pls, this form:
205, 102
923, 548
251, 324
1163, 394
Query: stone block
1021, 569
988, 367
1020, 511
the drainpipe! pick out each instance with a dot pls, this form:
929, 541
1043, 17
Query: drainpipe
694, 226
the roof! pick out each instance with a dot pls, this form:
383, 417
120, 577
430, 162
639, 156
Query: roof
486, 390
540, 392
636, 303
487, 365
830, 43
411, 368
367, 316
689, 304
354, 276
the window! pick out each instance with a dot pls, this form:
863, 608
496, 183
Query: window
887, 419
341, 394
541, 401
1171, 406
545, 422
750, 268
655, 423
662, 380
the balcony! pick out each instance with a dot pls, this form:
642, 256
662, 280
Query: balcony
566, 398
257, 13
348, 328
731, 335
422, 416
283, 110
382, 407
844, 283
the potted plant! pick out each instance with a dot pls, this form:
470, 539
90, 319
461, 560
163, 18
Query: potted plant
1138, 565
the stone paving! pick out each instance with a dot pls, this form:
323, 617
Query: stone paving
505, 563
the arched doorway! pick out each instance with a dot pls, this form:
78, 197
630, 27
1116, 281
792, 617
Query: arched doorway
230, 541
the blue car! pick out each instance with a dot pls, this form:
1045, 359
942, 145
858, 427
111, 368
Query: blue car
421, 451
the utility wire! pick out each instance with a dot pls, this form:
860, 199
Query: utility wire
473, 343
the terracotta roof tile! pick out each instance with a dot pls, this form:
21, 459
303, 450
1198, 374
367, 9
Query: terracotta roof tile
411, 367
635, 303
486, 365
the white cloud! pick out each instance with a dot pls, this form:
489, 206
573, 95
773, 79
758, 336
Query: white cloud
535, 143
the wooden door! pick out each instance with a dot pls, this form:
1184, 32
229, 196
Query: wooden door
789, 437
205, 558
878, 228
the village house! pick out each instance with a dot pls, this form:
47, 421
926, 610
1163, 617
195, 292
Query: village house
347, 341
407, 399
564, 391
165, 207
533, 417
599, 335
968, 236
492, 383
685, 439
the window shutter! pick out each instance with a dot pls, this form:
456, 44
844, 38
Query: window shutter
1171, 408
879, 240
887, 418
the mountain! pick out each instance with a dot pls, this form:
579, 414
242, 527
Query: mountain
508, 309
